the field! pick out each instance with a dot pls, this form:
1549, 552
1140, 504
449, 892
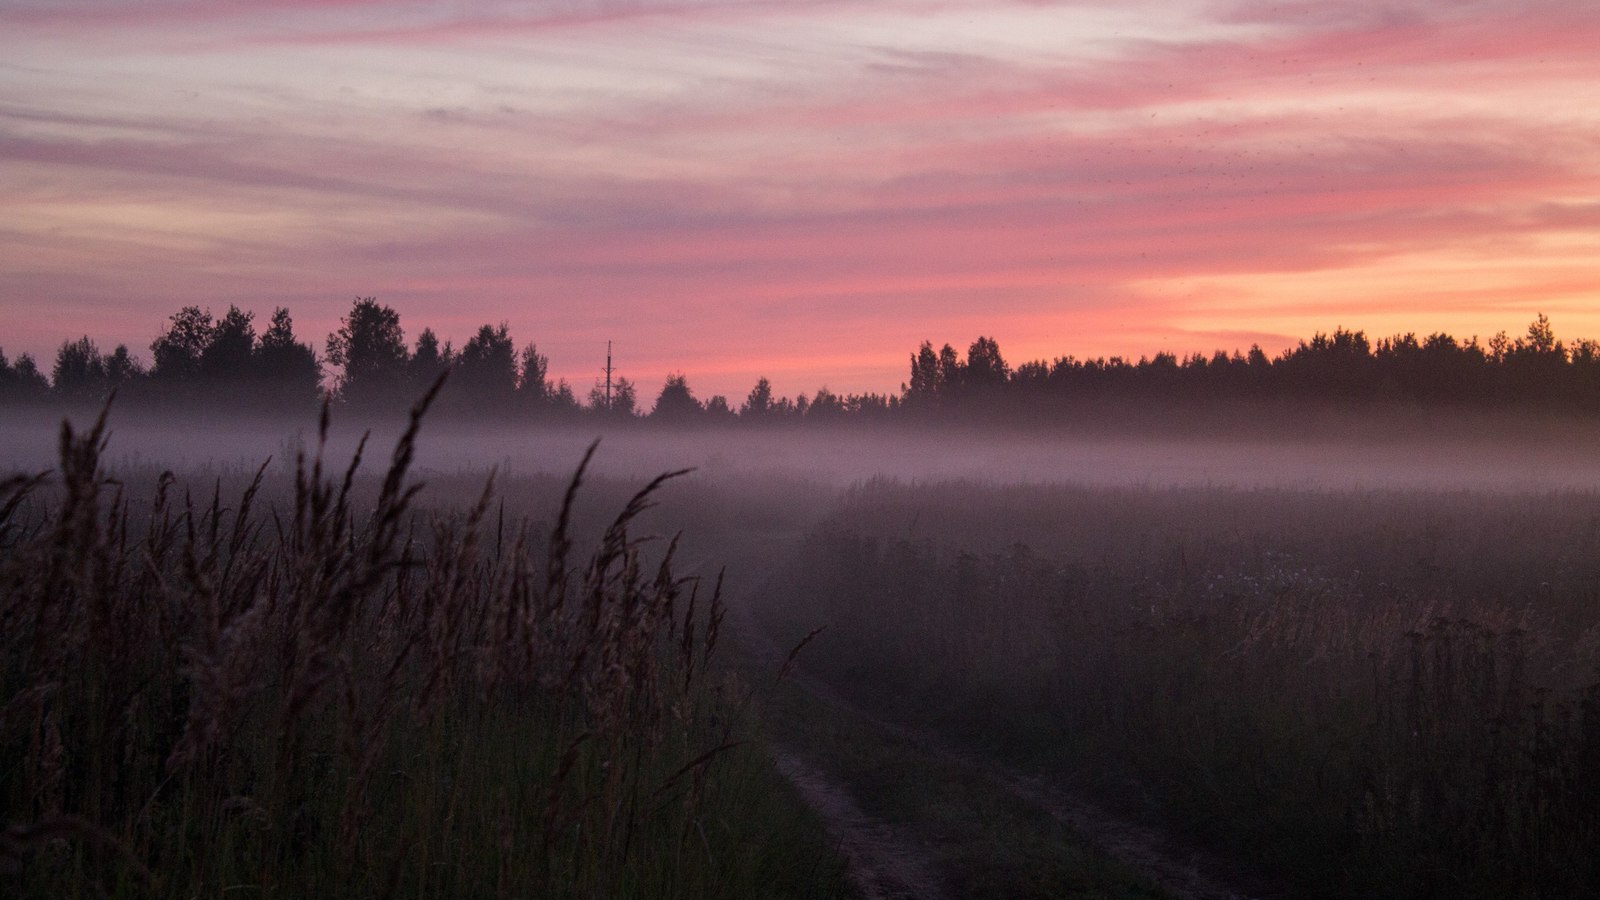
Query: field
1348, 693
309, 687
321, 676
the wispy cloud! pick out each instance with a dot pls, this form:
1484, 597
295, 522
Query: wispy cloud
715, 184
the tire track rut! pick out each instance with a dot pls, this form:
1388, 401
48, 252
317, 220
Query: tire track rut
886, 861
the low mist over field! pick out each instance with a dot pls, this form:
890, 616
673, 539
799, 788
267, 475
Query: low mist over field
1498, 455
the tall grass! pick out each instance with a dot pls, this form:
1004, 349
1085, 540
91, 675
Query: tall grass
328, 697
1371, 694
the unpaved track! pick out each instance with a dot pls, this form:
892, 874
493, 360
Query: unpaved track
1182, 870
882, 861
886, 862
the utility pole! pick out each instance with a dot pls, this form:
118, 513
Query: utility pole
608, 376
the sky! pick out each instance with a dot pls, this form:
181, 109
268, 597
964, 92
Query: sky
802, 189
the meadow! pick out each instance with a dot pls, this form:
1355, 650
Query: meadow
303, 681
1355, 692
1343, 669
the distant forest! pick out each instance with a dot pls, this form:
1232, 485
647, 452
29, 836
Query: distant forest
223, 363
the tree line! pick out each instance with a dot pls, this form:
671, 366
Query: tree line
197, 358
201, 359
1535, 370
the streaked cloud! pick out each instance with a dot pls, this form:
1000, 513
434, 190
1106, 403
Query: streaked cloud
801, 189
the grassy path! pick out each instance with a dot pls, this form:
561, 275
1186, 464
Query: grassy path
915, 816
987, 830
883, 861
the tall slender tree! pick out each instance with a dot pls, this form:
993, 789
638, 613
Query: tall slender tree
533, 383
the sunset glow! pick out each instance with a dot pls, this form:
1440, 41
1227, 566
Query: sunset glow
801, 189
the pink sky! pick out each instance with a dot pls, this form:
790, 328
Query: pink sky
802, 189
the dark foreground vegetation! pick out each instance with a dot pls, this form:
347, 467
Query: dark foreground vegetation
221, 367
340, 696
1362, 694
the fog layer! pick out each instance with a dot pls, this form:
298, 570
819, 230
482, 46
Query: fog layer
1519, 458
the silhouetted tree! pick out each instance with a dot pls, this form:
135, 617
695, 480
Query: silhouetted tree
1542, 339
923, 389
290, 375
1499, 347
1535, 364
826, 405
177, 351
782, 409
79, 373
948, 384
533, 384
759, 403
1031, 379
986, 369
486, 369
31, 381
676, 403
624, 399
230, 349
871, 406
1584, 359
717, 409
1450, 370
563, 402
1334, 366
196, 357
370, 347
430, 360
21, 381
122, 367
